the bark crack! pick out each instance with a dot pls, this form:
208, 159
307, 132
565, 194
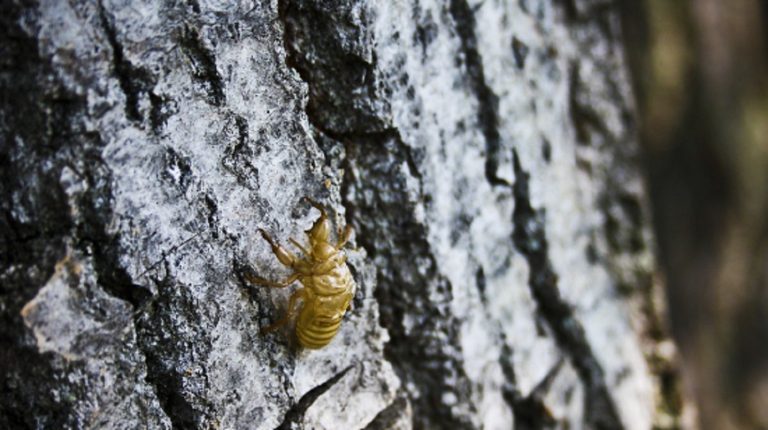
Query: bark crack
133, 80
389, 416
530, 239
92, 235
173, 374
414, 298
296, 413
330, 46
488, 101
530, 412
204, 65
93, 238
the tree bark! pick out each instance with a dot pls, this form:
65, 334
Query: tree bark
485, 153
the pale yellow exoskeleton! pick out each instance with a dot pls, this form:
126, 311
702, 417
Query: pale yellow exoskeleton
328, 286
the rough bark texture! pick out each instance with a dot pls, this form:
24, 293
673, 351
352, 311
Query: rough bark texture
484, 152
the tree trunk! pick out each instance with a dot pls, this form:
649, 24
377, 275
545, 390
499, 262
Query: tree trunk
484, 153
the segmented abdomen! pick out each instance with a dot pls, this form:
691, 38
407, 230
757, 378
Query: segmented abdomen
317, 332
326, 299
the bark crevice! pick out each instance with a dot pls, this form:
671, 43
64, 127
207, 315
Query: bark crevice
176, 375
390, 415
488, 102
204, 65
531, 411
530, 238
414, 298
331, 48
133, 80
296, 413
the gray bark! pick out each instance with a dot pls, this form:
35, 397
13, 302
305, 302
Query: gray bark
484, 152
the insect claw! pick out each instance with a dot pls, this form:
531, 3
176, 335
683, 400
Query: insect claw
267, 237
316, 205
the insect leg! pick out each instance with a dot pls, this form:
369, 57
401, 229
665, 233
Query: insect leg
267, 283
286, 257
344, 237
317, 206
298, 245
298, 294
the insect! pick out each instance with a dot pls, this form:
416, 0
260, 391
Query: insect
328, 286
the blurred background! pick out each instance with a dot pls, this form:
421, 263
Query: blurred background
700, 74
